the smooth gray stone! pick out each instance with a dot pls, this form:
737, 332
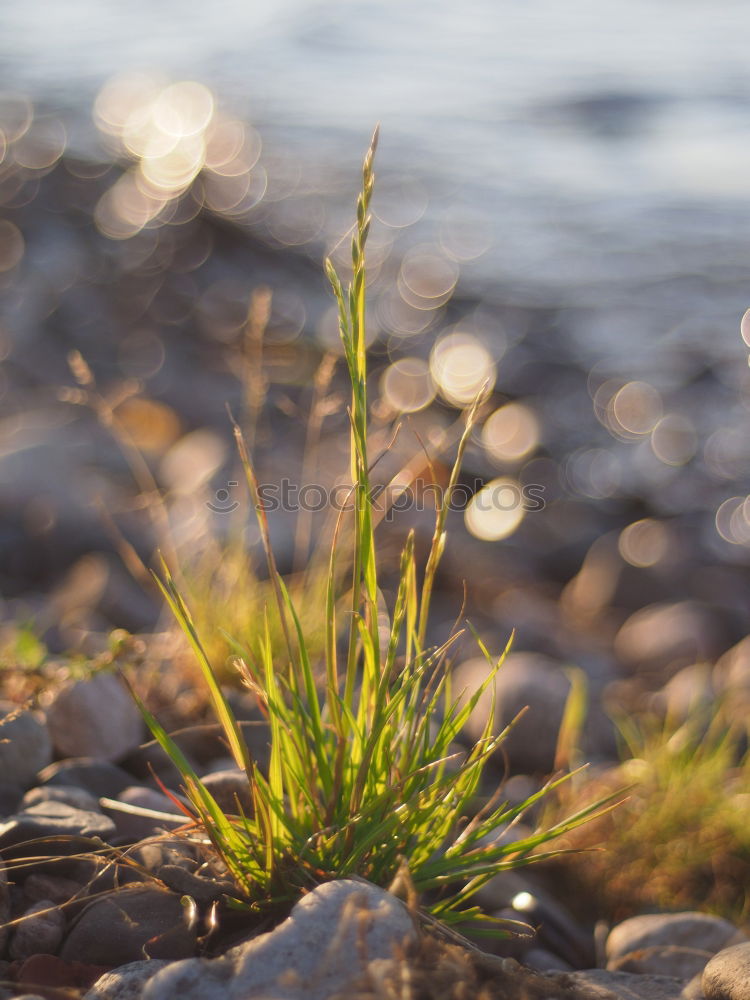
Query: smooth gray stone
40, 933
113, 930
626, 986
99, 777
527, 682
663, 960
228, 786
687, 930
53, 819
96, 717
71, 795
202, 890
25, 746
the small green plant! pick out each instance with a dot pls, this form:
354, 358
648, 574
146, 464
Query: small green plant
681, 840
363, 778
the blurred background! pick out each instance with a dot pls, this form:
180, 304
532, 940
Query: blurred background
562, 207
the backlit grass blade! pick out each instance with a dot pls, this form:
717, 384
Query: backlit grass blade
237, 745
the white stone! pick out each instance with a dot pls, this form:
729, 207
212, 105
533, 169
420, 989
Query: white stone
327, 941
126, 982
727, 975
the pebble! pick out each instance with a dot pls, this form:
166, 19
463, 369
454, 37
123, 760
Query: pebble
727, 975
542, 960
732, 669
48, 970
41, 931
324, 944
54, 819
687, 930
140, 812
601, 984
227, 786
96, 717
25, 746
688, 692
151, 855
99, 777
78, 798
526, 681
663, 960
40, 885
661, 639
731, 677
114, 929
126, 982
202, 890
10, 797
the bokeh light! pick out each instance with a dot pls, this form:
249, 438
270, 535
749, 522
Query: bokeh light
407, 385
733, 520
465, 236
16, 115
593, 472
183, 109
427, 278
190, 463
151, 426
644, 543
511, 433
11, 245
399, 319
496, 511
634, 410
175, 135
461, 365
674, 439
745, 327
727, 453
401, 201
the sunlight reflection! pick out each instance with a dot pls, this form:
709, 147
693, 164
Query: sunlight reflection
511, 433
496, 511
427, 278
175, 134
11, 245
733, 520
460, 365
674, 440
16, 115
407, 385
634, 410
644, 543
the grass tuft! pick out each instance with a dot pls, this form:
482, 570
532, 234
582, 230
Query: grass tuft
364, 779
681, 839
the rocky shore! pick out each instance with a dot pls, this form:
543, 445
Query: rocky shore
108, 891
119, 345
